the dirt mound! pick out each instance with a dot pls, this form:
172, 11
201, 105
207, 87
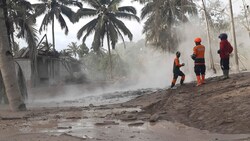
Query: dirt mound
221, 106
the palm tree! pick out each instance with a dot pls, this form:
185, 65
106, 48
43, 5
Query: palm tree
106, 23
73, 48
7, 66
234, 37
64, 53
21, 19
163, 17
83, 50
55, 9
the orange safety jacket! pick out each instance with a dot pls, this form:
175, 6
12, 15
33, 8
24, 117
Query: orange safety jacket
199, 52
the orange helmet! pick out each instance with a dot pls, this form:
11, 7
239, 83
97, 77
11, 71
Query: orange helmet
197, 40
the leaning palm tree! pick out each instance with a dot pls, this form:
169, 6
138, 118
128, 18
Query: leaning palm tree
106, 23
163, 17
55, 9
21, 21
7, 66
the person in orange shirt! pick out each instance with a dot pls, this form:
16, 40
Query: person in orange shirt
176, 70
199, 61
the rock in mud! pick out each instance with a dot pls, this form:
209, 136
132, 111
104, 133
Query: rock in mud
227, 121
136, 124
11, 118
132, 136
106, 123
154, 118
64, 127
91, 105
129, 118
135, 111
123, 112
76, 117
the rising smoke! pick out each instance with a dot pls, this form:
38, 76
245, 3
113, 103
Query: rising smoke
150, 68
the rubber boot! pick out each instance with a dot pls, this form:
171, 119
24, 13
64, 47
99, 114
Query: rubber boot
226, 74
173, 83
182, 80
203, 79
198, 80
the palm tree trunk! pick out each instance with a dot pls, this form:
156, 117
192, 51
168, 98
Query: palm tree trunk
246, 17
53, 34
12, 43
3, 96
209, 38
234, 37
54, 49
33, 65
110, 56
7, 68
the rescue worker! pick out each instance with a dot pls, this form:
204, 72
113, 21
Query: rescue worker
176, 70
225, 50
199, 61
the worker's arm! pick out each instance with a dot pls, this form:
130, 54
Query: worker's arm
177, 63
193, 56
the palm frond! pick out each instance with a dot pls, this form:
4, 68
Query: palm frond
127, 16
98, 37
63, 24
96, 42
44, 1
84, 12
114, 3
94, 3
24, 4
120, 35
112, 6
31, 34
89, 31
39, 8
113, 35
86, 27
122, 27
45, 22
67, 12
103, 31
142, 1
147, 9
129, 9
71, 3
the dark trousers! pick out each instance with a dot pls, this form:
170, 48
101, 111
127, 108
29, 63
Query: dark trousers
199, 69
178, 73
224, 63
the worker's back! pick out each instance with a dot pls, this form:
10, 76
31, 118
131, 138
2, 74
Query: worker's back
199, 52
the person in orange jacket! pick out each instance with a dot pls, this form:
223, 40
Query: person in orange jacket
199, 61
176, 70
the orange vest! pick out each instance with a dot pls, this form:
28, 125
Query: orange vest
199, 52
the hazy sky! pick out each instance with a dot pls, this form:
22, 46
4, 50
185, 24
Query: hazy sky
136, 28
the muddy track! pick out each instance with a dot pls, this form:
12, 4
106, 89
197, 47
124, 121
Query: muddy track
220, 106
